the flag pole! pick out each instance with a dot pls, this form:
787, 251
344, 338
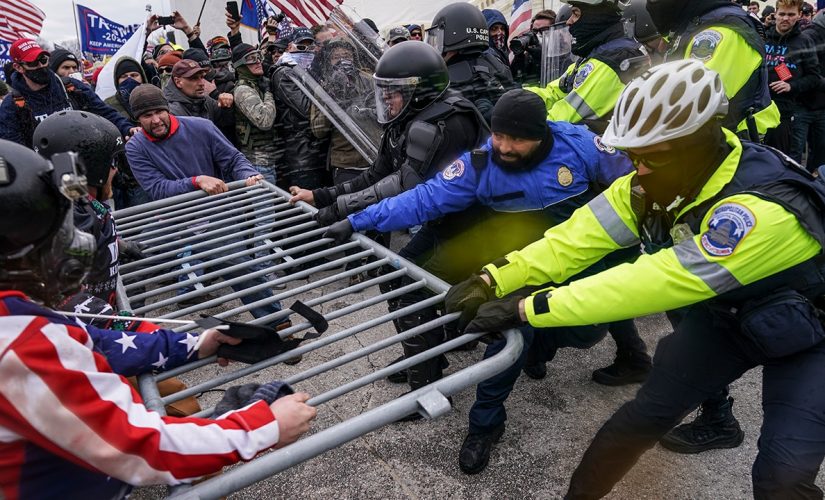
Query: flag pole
77, 30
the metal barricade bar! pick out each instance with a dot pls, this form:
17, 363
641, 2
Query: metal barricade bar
253, 240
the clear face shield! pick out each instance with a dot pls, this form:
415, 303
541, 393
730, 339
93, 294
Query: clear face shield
556, 52
393, 96
435, 38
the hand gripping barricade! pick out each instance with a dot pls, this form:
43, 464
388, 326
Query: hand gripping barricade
193, 240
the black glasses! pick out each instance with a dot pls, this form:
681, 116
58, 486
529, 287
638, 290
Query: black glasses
652, 161
304, 46
165, 69
40, 61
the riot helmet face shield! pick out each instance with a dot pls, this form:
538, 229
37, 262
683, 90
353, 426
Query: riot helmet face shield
393, 96
435, 38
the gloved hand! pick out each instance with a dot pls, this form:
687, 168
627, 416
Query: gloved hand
131, 251
466, 297
327, 216
263, 84
340, 231
497, 315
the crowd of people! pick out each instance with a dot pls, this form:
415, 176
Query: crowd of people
659, 170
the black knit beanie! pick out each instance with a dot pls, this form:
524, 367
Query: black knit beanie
520, 113
59, 56
126, 66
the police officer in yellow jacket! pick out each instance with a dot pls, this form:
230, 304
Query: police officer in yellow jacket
587, 91
729, 41
733, 234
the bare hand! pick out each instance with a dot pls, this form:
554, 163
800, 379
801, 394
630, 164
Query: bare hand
211, 185
180, 23
196, 31
226, 100
254, 179
152, 24
293, 416
208, 86
780, 87
233, 25
301, 194
209, 342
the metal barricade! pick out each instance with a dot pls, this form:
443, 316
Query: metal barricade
252, 238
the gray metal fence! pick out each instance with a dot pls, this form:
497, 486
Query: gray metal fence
252, 239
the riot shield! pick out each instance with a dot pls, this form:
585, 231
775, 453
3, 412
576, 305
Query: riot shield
556, 52
339, 81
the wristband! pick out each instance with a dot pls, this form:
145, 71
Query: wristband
195, 182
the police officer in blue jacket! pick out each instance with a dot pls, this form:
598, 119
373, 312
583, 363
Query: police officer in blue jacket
531, 175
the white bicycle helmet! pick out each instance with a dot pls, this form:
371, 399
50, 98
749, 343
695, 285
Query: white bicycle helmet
669, 101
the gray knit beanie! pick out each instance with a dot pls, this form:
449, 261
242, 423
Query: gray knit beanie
146, 97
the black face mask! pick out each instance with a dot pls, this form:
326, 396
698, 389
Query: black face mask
686, 168
40, 76
670, 15
596, 26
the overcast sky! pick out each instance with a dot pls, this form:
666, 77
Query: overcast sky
60, 23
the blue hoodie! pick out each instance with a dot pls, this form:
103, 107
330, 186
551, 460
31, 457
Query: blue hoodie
496, 17
47, 101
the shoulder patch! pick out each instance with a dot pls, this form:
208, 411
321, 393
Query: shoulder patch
564, 176
582, 75
597, 140
453, 171
704, 45
728, 226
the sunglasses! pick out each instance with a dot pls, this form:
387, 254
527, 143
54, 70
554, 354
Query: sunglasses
652, 161
165, 69
304, 46
40, 61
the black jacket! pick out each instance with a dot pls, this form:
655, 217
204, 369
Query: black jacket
816, 34
798, 54
481, 78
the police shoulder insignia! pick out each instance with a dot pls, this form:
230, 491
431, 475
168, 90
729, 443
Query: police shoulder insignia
728, 226
454, 170
582, 75
597, 140
704, 44
564, 176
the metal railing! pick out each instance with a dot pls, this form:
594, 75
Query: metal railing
252, 238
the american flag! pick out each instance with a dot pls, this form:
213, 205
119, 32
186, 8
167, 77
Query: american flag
307, 13
520, 18
19, 19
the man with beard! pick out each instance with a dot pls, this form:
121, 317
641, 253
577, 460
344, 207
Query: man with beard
729, 41
532, 174
187, 95
733, 236
37, 92
254, 110
587, 91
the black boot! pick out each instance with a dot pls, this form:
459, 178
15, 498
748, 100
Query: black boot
714, 428
397, 377
535, 365
627, 368
475, 451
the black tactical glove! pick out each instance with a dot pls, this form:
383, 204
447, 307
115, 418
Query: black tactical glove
497, 316
340, 231
131, 251
466, 297
327, 216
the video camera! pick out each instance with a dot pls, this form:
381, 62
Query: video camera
520, 44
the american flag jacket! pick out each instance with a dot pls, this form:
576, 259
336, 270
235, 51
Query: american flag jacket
72, 426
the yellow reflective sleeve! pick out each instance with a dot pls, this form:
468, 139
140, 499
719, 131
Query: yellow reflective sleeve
605, 224
549, 94
595, 91
765, 119
743, 240
726, 52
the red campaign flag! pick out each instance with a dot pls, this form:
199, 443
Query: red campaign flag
20, 19
306, 13
783, 72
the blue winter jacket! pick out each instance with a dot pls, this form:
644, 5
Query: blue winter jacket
578, 162
50, 100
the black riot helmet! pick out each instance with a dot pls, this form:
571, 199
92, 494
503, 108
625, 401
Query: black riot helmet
95, 139
458, 26
667, 15
565, 12
409, 75
41, 252
635, 14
